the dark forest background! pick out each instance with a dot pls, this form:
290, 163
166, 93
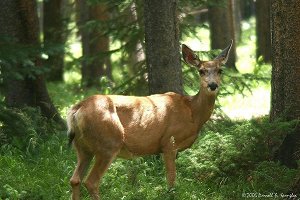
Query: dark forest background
54, 53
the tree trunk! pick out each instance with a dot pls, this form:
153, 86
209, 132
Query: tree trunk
237, 19
247, 9
19, 22
162, 46
54, 37
263, 33
136, 49
222, 27
95, 44
285, 100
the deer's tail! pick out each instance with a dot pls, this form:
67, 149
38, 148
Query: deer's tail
71, 123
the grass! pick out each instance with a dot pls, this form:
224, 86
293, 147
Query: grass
41, 176
44, 173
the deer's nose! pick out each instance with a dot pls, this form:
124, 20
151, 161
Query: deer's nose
212, 86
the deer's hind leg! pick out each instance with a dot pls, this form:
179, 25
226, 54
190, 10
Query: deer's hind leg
107, 144
83, 160
102, 163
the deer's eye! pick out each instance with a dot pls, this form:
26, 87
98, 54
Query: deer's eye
202, 72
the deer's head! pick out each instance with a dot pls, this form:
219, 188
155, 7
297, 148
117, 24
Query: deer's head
209, 71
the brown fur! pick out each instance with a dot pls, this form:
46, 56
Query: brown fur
110, 126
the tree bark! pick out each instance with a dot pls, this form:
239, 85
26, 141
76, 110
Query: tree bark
54, 35
162, 46
95, 44
222, 27
237, 19
285, 84
247, 9
263, 33
19, 22
136, 49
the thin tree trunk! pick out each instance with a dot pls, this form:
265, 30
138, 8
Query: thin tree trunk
99, 43
247, 9
222, 27
95, 44
162, 46
237, 19
54, 36
263, 33
136, 52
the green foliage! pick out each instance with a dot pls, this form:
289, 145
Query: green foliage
270, 177
18, 60
227, 162
189, 25
43, 175
232, 148
126, 31
22, 128
64, 95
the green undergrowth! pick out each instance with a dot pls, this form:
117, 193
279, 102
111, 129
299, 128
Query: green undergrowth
229, 160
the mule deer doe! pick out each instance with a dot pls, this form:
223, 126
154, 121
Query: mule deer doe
110, 126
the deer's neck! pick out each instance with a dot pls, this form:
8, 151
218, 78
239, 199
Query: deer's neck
202, 106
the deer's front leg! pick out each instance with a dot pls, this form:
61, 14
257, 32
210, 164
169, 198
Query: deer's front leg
169, 156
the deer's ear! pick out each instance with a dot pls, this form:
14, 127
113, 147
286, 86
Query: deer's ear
223, 56
189, 56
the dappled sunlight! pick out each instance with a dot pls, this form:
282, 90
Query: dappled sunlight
72, 77
246, 58
246, 107
75, 49
202, 43
253, 104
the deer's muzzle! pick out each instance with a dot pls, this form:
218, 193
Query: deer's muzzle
213, 86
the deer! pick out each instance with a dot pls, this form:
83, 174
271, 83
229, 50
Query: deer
106, 127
